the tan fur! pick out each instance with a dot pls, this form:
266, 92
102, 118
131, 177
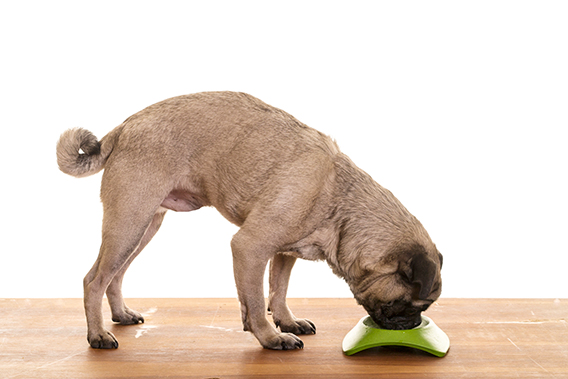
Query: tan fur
289, 189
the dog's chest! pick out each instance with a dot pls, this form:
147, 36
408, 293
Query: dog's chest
311, 253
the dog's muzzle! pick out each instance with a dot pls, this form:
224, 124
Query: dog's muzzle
398, 315
397, 322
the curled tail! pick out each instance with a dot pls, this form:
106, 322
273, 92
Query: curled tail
80, 154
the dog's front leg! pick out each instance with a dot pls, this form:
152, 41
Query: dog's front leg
250, 258
280, 268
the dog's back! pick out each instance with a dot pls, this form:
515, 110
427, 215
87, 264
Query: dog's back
223, 148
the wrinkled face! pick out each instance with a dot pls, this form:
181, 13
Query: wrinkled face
395, 300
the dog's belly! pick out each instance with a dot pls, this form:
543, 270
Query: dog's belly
181, 201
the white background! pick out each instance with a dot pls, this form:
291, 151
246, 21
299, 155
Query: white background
459, 108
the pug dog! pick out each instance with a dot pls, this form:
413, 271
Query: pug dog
287, 186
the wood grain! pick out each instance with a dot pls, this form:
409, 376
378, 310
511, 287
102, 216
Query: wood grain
203, 338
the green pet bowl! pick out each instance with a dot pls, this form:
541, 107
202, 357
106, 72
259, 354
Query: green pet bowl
426, 336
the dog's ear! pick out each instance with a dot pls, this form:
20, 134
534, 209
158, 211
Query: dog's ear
423, 274
420, 270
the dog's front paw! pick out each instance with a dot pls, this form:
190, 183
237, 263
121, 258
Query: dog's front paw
284, 341
103, 340
297, 326
128, 317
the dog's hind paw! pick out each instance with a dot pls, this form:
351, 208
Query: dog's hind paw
104, 340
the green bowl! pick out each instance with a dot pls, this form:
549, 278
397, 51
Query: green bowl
367, 334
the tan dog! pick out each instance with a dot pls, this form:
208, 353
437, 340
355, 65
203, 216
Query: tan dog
289, 189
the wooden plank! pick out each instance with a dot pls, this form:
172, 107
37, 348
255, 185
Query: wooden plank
203, 338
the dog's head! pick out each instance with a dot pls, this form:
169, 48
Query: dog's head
396, 290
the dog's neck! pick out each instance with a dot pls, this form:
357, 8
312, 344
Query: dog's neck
369, 223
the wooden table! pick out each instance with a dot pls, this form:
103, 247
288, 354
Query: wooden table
203, 338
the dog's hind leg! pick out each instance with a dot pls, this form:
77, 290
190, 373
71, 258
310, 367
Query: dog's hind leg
280, 268
127, 217
120, 312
